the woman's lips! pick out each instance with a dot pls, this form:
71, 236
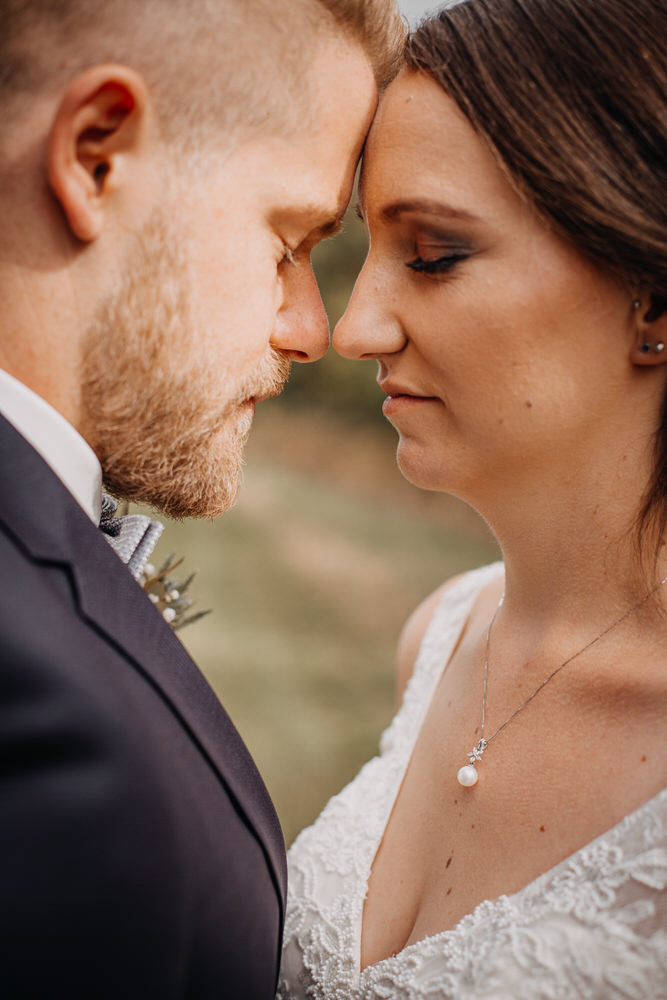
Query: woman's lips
403, 402
400, 399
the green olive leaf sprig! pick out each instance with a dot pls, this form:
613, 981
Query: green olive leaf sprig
170, 594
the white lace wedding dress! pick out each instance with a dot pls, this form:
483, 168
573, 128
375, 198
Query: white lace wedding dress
595, 926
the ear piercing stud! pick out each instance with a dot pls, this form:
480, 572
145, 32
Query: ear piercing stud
645, 347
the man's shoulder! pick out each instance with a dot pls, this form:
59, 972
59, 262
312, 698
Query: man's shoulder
47, 647
115, 827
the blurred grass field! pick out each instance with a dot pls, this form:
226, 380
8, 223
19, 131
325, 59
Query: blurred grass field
310, 578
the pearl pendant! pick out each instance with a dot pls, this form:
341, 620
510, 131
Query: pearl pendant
467, 776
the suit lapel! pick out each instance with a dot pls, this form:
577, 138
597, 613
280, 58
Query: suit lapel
48, 523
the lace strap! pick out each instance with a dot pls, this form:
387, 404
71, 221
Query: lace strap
439, 641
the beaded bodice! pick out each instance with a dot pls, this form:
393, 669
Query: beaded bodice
594, 926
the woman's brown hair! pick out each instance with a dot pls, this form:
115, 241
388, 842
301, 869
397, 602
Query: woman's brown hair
572, 96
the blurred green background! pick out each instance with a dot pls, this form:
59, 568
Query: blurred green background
312, 574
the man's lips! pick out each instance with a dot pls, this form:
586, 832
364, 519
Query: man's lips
260, 397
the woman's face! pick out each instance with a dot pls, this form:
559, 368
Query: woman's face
503, 351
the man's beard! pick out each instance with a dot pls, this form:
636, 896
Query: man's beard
169, 429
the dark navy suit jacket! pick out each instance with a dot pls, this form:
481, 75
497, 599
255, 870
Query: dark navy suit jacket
140, 855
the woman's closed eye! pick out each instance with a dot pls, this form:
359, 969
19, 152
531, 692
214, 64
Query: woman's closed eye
436, 265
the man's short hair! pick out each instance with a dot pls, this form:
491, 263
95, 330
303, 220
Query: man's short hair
225, 63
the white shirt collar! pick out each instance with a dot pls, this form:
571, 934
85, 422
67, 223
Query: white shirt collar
59, 444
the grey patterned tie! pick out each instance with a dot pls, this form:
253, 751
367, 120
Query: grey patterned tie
133, 537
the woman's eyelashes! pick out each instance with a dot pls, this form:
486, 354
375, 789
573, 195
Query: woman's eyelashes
437, 265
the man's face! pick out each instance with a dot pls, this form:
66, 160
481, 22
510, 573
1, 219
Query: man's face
218, 297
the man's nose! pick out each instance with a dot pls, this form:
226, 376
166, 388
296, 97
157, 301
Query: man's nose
369, 328
302, 329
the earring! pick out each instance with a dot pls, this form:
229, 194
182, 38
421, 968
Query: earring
636, 304
659, 347
645, 348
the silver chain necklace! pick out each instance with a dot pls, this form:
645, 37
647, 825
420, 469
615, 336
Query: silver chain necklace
467, 775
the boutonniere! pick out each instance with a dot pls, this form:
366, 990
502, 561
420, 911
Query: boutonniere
170, 594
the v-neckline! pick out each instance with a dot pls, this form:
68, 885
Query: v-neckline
447, 652
488, 905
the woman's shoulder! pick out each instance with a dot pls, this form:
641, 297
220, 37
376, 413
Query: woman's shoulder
445, 605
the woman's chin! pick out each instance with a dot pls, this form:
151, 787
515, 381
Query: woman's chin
418, 467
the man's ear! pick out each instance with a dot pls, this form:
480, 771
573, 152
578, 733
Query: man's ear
100, 125
650, 345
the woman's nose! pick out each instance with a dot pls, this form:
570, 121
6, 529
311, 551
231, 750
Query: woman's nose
369, 326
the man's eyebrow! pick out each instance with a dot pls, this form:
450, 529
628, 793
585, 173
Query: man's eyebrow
329, 228
318, 221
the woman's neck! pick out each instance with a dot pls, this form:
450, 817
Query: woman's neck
573, 554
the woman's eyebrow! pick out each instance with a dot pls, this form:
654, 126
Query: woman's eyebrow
428, 206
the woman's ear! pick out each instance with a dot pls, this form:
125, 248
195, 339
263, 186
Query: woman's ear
650, 344
99, 127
